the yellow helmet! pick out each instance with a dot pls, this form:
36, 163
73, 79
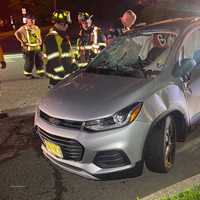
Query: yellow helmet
84, 16
60, 16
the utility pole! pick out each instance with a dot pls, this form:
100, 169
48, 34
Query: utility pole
24, 15
55, 4
12, 22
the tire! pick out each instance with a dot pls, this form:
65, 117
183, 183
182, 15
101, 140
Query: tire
161, 146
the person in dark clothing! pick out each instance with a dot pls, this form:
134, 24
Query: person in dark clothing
122, 25
2, 60
91, 40
57, 47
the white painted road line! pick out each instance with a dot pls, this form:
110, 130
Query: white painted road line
18, 55
11, 58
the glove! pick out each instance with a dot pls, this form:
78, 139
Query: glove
3, 65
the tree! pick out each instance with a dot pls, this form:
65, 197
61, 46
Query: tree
41, 9
15, 7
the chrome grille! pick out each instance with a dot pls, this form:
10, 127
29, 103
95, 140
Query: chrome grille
60, 122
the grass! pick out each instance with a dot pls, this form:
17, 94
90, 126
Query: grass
190, 194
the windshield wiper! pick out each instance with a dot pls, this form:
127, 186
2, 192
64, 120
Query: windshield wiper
135, 69
101, 70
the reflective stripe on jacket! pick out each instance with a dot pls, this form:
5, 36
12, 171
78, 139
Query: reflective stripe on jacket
58, 57
31, 37
89, 44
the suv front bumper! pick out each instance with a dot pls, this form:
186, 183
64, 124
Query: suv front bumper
129, 139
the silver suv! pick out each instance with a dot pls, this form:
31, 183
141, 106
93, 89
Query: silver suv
129, 106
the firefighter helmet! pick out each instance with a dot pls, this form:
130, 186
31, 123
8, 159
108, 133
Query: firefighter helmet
84, 16
61, 16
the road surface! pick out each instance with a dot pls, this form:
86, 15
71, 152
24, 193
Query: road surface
15, 91
27, 175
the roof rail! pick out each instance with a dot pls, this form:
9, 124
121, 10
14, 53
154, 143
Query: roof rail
195, 18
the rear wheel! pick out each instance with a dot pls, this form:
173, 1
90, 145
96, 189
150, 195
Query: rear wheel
161, 146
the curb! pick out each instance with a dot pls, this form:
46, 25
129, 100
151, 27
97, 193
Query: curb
175, 189
17, 112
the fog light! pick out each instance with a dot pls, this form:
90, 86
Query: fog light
111, 159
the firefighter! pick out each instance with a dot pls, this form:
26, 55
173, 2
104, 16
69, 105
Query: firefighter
2, 61
57, 48
122, 25
91, 40
29, 36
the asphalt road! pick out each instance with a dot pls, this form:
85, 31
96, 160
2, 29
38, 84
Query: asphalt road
27, 175
15, 68
15, 90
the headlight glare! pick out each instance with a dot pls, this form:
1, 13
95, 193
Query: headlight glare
119, 119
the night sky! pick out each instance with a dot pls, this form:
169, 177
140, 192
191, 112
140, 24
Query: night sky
4, 8
102, 8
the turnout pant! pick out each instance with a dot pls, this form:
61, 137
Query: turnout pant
33, 58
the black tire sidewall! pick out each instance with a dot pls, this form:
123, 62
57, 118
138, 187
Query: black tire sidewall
155, 148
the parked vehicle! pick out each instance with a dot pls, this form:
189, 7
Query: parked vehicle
130, 106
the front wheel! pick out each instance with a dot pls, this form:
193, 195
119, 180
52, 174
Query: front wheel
161, 146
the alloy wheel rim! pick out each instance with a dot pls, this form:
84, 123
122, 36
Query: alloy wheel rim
169, 143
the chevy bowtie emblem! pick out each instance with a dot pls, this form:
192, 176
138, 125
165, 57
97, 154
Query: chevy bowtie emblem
54, 121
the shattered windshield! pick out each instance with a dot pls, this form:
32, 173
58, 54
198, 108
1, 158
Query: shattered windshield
135, 56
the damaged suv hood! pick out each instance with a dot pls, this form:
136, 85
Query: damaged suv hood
90, 96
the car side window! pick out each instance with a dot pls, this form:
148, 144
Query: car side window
190, 46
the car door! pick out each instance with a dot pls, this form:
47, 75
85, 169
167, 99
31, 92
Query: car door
191, 82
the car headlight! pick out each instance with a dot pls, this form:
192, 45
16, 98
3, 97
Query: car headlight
119, 119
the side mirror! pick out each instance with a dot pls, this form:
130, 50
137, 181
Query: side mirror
187, 65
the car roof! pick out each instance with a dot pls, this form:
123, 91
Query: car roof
176, 25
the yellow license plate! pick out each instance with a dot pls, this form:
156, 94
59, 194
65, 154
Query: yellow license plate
53, 148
